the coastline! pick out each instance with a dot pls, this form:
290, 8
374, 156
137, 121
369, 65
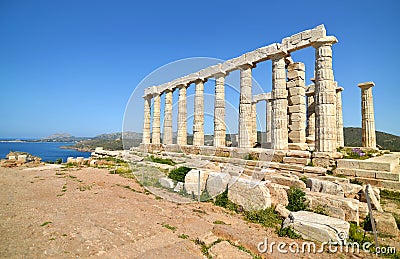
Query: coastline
77, 148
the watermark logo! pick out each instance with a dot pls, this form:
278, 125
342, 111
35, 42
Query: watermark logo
307, 247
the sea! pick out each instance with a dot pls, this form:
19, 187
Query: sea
48, 151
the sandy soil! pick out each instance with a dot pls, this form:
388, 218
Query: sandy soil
64, 213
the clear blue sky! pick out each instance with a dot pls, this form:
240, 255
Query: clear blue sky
70, 66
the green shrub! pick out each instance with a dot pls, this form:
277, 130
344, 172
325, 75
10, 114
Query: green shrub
303, 179
288, 232
222, 200
356, 181
178, 174
320, 209
367, 223
297, 199
267, 217
397, 218
58, 161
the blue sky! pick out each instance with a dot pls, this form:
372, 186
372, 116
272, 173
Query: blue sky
71, 66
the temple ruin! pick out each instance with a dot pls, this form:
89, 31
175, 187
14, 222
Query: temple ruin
298, 116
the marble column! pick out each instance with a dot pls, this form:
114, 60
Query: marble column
339, 117
310, 116
367, 111
219, 111
325, 96
246, 98
182, 114
155, 138
253, 123
279, 103
146, 120
268, 122
198, 123
297, 102
167, 137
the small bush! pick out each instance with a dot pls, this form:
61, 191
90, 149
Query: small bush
356, 181
397, 218
222, 200
288, 232
58, 161
367, 223
169, 227
267, 217
219, 222
303, 179
320, 209
297, 199
183, 236
178, 174
159, 160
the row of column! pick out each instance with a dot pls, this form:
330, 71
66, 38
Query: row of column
198, 125
326, 139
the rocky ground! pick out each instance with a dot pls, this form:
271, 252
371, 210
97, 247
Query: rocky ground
84, 212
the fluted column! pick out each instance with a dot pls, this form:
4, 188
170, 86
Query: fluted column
368, 118
254, 123
339, 117
279, 103
167, 137
310, 116
219, 111
325, 96
198, 123
246, 97
268, 123
182, 114
146, 120
155, 139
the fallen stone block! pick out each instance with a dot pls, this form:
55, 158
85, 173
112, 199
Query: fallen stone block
385, 223
374, 201
166, 182
251, 195
192, 180
317, 227
286, 180
217, 183
278, 193
317, 185
282, 211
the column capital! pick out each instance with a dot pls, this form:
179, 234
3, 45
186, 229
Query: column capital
220, 74
339, 89
199, 80
327, 40
279, 55
366, 85
180, 86
247, 65
148, 96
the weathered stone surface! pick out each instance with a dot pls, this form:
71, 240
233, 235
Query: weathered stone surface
322, 162
296, 160
298, 153
208, 238
351, 190
349, 206
317, 227
385, 223
179, 187
278, 194
224, 250
317, 185
374, 201
192, 179
251, 195
282, 211
166, 182
376, 190
367, 112
314, 170
286, 180
217, 183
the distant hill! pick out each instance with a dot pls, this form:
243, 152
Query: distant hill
353, 138
61, 137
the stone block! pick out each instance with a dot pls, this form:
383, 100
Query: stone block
313, 226
251, 195
348, 163
217, 183
192, 179
179, 187
385, 223
285, 180
278, 194
166, 182
298, 146
366, 165
314, 170
297, 100
297, 109
282, 211
344, 171
317, 185
387, 176
292, 91
296, 160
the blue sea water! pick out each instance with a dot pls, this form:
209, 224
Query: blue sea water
48, 151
